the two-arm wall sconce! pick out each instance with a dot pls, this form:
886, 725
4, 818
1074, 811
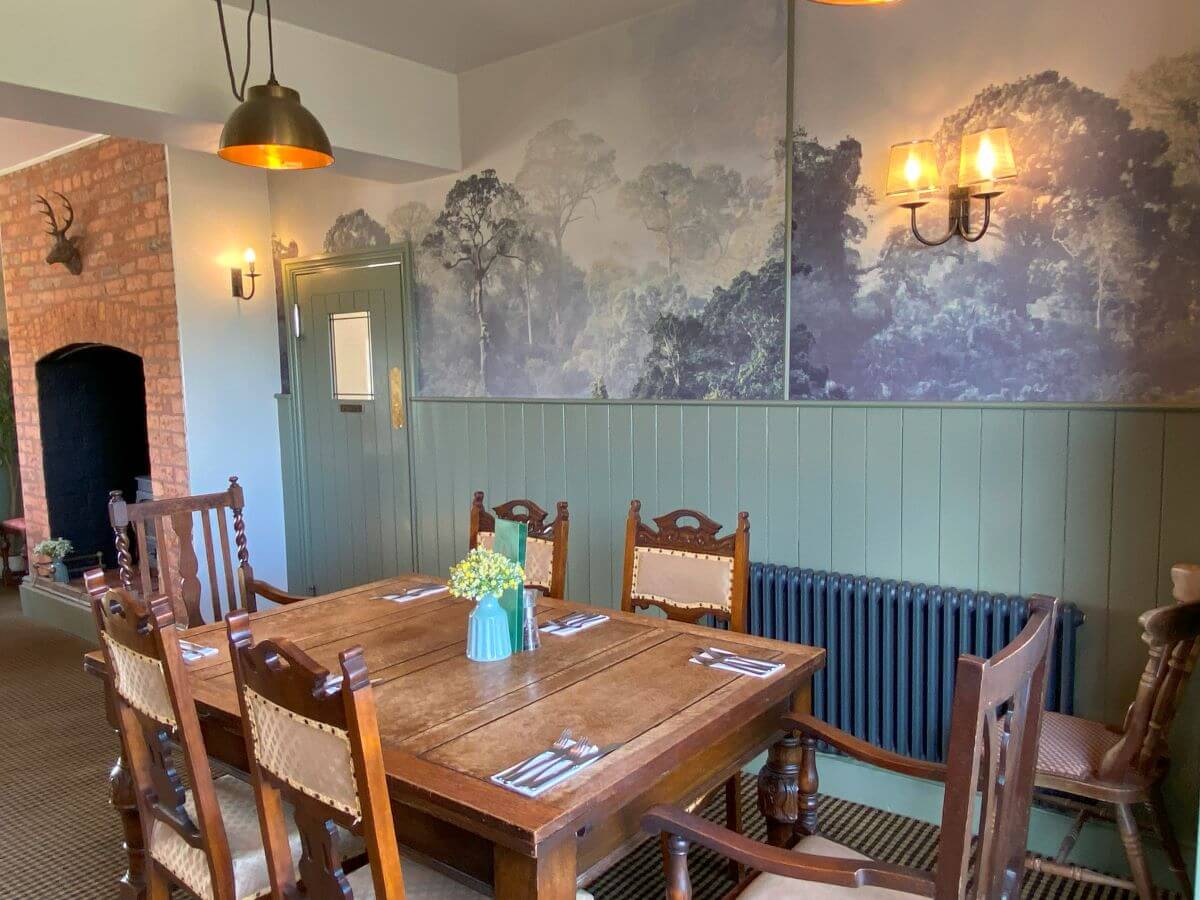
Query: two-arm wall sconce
985, 162
236, 276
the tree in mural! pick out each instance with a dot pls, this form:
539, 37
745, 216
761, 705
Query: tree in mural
408, 224
478, 227
355, 231
691, 213
563, 172
1166, 97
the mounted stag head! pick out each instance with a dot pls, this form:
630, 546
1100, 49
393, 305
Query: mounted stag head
65, 250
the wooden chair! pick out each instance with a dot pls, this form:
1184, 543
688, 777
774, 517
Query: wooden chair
686, 570
1101, 767
994, 728
313, 745
204, 837
177, 571
545, 547
689, 573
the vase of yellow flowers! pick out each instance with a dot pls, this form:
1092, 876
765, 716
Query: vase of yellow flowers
483, 576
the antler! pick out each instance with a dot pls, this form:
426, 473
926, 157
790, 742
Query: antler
70, 213
49, 213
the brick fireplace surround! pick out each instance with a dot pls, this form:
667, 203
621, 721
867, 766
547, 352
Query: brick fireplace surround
125, 296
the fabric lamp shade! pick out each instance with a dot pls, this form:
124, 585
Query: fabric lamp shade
912, 171
986, 158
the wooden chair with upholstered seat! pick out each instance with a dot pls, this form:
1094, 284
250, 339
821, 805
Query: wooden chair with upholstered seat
1100, 767
545, 545
314, 750
689, 573
173, 569
994, 724
204, 837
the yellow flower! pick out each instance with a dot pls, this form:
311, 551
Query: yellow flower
483, 572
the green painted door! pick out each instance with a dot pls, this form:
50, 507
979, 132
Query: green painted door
354, 431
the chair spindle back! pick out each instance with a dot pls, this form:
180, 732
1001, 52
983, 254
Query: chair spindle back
172, 522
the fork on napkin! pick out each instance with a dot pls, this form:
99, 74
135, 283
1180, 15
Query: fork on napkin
413, 593
715, 658
544, 770
576, 621
192, 651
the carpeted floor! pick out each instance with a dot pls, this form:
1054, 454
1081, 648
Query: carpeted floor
61, 840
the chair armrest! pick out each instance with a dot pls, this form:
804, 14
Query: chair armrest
272, 593
861, 750
852, 873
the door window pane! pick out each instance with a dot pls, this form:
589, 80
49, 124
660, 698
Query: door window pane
350, 352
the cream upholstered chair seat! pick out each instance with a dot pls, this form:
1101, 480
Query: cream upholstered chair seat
1071, 747
776, 887
240, 816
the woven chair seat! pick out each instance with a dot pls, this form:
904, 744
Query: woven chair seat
1071, 747
240, 816
777, 887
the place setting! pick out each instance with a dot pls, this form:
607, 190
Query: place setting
416, 592
566, 757
716, 658
573, 623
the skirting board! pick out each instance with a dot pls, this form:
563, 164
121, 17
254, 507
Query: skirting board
1099, 845
58, 607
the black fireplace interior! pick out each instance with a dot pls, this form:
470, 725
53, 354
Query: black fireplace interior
92, 405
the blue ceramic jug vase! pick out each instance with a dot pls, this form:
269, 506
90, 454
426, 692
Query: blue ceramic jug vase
487, 631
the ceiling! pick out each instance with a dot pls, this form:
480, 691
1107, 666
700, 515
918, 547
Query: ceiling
23, 142
455, 35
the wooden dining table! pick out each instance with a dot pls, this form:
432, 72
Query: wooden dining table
447, 724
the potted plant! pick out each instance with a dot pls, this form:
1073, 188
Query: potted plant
53, 551
483, 576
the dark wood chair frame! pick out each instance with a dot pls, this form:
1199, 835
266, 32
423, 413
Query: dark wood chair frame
177, 578
673, 533
994, 731
1134, 769
284, 674
147, 744
534, 517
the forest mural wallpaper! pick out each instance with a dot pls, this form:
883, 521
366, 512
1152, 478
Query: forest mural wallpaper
620, 228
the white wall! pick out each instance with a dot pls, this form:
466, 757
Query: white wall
229, 348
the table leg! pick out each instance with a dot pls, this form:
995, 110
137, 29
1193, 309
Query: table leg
549, 876
124, 801
779, 789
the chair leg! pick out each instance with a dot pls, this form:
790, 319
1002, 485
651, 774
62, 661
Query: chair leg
157, 885
733, 821
675, 866
1166, 833
1127, 825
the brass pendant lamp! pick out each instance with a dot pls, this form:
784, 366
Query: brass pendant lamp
270, 129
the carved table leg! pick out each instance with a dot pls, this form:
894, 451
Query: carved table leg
124, 801
779, 789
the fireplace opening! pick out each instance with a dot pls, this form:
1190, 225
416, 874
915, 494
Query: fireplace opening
92, 406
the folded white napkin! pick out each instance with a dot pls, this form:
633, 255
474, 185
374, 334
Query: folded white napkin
567, 770
717, 664
414, 594
551, 628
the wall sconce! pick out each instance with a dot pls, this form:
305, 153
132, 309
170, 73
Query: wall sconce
237, 277
985, 161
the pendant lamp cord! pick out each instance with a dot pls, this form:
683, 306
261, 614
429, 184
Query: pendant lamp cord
240, 93
270, 41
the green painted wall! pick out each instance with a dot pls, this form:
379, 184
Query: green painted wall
1091, 504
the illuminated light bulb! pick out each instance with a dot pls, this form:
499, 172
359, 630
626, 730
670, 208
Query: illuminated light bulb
985, 159
249, 256
912, 171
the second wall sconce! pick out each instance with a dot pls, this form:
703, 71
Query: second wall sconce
985, 163
239, 278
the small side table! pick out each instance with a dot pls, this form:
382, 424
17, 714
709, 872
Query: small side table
8, 528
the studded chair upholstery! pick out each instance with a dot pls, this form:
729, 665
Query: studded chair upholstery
545, 544
315, 757
205, 837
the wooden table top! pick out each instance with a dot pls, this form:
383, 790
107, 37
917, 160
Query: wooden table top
447, 723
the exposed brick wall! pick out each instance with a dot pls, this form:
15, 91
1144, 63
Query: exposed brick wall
125, 296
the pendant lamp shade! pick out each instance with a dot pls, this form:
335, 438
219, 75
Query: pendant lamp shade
272, 130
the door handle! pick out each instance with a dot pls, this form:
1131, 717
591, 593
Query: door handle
397, 381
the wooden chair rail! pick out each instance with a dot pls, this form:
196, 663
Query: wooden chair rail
865, 752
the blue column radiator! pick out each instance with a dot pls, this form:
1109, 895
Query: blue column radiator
891, 648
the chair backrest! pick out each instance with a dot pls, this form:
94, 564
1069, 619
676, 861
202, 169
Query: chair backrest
995, 723
313, 742
545, 544
686, 569
171, 525
1172, 634
152, 699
